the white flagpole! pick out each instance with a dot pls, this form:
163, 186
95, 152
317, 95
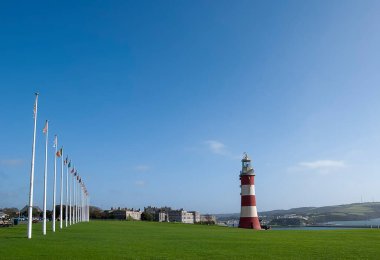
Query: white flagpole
88, 208
84, 206
74, 198
55, 180
67, 191
82, 191
30, 210
76, 204
87, 205
77, 209
81, 203
78, 200
61, 206
70, 219
46, 130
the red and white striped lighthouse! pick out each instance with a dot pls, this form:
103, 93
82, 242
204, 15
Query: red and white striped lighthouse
248, 213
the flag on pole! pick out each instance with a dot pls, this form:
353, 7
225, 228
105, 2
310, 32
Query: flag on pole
73, 169
66, 160
34, 110
59, 153
69, 165
75, 173
55, 144
45, 130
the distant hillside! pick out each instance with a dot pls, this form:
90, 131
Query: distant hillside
227, 216
355, 211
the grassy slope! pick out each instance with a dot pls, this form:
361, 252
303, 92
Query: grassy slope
355, 211
114, 239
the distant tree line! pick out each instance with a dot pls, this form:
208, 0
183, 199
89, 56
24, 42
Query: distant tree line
98, 213
36, 212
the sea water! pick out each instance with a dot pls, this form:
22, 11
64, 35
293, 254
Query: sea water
370, 222
309, 228
374, 223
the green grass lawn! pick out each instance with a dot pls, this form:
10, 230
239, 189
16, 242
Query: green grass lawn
136, 240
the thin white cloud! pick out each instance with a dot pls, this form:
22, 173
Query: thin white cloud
319, 166
140, 183
323, 164
11, 162
142, 168
216, 147
219, 148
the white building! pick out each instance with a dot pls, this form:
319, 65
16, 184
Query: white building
3, 215
181, 216
162, 217
197, 216
134, 214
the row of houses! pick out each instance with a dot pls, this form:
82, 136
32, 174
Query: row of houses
3, 215
163, 214
292, 216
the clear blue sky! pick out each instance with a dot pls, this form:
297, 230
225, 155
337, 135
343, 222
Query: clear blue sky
155, 101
